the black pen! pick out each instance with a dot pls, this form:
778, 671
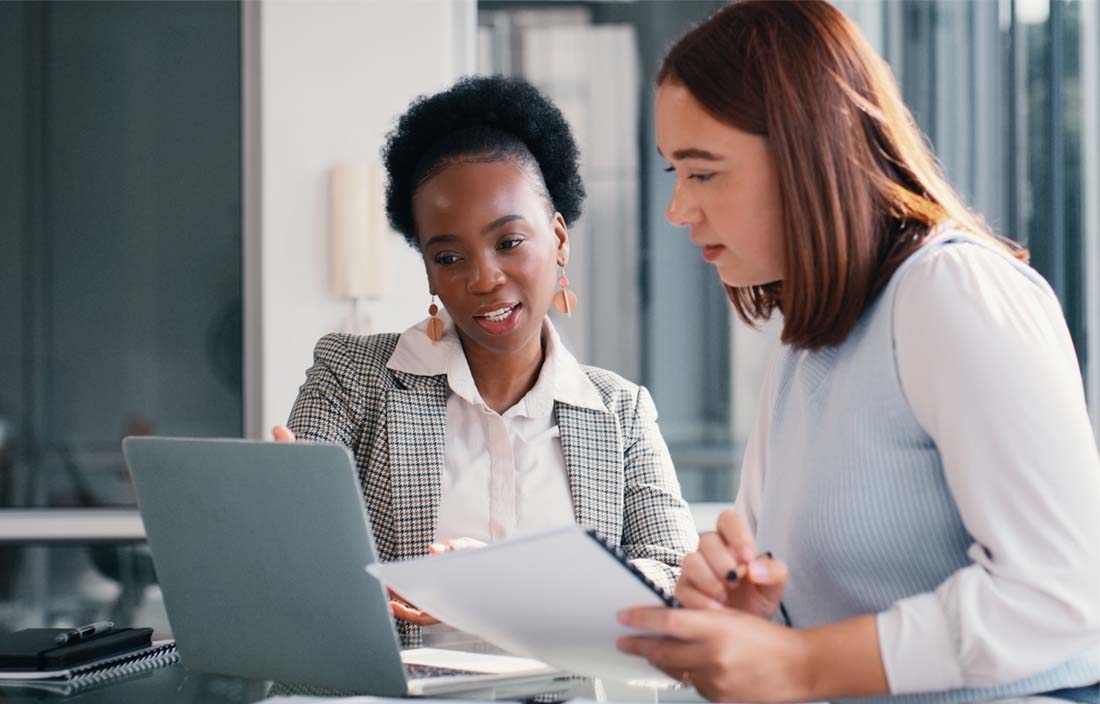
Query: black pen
742, 569
84, 632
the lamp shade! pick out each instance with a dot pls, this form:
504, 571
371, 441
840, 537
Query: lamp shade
358, 231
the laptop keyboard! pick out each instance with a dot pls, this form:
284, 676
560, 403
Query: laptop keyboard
419, 672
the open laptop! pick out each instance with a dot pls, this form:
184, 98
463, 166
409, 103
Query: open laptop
260, 551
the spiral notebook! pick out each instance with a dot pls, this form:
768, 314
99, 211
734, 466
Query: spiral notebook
93, 674
553, 596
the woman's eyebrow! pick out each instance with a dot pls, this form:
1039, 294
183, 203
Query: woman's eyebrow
695, 153
500, 222
438, 239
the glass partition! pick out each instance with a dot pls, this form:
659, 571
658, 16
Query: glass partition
121, 274
120, 280
995, 85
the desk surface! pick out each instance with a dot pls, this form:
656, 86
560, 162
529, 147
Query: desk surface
174, 684
171, 685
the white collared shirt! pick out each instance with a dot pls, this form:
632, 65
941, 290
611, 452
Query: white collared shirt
1028, 601
503, 474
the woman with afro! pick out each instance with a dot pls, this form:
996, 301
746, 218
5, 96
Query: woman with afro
479, 425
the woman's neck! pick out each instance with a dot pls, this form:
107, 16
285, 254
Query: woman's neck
503, 379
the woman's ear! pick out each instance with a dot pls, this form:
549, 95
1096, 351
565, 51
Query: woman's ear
561, 236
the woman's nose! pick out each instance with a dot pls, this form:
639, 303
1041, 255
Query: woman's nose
485, 276
678, 212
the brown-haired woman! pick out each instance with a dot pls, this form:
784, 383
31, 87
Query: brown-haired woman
922, 465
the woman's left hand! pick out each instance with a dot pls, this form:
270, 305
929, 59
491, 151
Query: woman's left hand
441, 546
703, 582
725, 654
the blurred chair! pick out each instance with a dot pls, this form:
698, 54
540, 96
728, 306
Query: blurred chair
129, 566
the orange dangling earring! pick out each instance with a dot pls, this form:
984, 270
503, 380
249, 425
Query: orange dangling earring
435, 325
565, 300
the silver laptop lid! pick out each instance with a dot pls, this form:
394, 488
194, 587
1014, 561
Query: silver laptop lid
259, 549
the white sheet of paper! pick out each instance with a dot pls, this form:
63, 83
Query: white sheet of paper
553, 596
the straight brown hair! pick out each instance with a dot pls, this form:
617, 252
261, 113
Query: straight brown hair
859, 188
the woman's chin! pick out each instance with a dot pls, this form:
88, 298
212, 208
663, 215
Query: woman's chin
741, 279
733, 280
507, 343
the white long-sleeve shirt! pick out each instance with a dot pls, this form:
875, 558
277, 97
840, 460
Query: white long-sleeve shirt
504, 473
1021, 465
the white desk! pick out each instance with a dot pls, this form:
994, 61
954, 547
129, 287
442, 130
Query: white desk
60, 525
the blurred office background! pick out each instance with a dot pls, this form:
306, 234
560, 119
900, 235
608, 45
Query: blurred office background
165, 257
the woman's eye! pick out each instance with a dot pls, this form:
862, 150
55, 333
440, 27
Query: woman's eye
511, 243
446, 259
701, 177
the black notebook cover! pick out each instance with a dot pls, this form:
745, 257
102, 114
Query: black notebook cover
624, 559
36, 648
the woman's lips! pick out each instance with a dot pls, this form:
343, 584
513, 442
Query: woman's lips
503, 326
712, 251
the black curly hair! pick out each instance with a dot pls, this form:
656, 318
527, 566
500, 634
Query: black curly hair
483, 118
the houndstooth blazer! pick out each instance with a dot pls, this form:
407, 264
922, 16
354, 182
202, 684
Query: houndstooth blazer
622, 483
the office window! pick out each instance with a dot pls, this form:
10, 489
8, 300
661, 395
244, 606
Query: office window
1000, 89
651, 309
120, 259
996, 86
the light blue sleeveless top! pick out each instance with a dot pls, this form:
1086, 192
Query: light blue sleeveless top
854, 496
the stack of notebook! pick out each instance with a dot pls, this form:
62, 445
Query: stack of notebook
36, 658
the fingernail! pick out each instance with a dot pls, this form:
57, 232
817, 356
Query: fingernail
624, 617
759, 569
737, 573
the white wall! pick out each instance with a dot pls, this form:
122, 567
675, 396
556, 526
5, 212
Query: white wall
327, 81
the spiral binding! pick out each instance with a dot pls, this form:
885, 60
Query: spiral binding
94, 674
623, 558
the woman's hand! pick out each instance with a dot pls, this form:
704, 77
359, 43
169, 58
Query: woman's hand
441, 546
281, 433
401, 607
726, 655
705, 582
732, 656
